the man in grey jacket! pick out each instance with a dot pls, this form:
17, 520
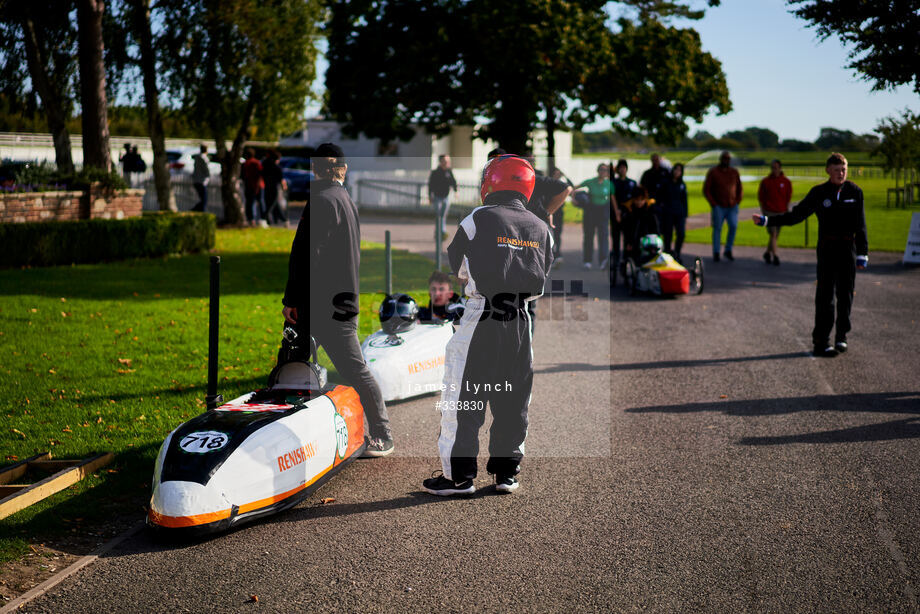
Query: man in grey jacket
201, 175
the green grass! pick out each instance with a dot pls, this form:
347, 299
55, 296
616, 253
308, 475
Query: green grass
111, 357
888, 227
789, 158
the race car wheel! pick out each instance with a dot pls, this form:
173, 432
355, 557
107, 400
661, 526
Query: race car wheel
696, 276
631, 277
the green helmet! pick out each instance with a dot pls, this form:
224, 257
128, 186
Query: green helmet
650, 245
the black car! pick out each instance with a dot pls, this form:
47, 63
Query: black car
297, 173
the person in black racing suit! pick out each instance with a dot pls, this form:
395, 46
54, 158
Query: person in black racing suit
502, 253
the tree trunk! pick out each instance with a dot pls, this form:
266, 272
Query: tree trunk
51, 99
165, 196
92, 85
230, 165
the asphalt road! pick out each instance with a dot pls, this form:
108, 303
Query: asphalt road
683, 455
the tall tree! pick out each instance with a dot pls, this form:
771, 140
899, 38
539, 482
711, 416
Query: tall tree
40, 42
93, 100
900, 147
237, 65
883, 36
508, 65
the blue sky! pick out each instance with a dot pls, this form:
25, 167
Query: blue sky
779, 75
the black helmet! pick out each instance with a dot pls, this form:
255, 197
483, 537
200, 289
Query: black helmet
398, 313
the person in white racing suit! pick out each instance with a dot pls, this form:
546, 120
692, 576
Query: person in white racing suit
502, 253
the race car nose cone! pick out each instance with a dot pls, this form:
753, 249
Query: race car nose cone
177, 504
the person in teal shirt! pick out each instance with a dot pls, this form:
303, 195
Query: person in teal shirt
596, 216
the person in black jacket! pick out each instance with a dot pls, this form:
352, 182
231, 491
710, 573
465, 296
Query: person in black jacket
502, 253
843, 247
321, 296
624, 188
674, 210
641, 221
440, 182
654, 180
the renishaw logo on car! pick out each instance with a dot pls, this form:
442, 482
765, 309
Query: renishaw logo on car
424, 365
297, 456
512, 242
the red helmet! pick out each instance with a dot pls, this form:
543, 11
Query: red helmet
508, 172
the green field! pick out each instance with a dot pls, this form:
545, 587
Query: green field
888, 227
111, 357
789, 158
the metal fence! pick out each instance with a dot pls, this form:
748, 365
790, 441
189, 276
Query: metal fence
407, 195
184, 191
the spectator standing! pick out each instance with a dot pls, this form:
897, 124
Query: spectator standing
674, 211
722, 189
440, 182
641, 221
843, 247
322, 292
654, 180
251, 174
774, 194
596, 217
126, 166
440, 296
201, 176
624, 188
275, 185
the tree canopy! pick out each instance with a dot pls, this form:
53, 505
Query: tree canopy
508, 66
883, 36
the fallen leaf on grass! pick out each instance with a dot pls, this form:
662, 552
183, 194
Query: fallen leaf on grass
18, 432
253, 599
64, 314
125, 361
66, 429
99, 420
12, 457
326, 500
54, 442
126, 371
723, 396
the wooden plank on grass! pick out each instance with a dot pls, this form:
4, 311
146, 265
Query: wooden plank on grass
52, 484
17, 470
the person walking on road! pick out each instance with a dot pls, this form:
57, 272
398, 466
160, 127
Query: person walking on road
674, 211
843, 247
596, 217
440, 182
322, 292
201, 176
722, 189
774, 195
502, 253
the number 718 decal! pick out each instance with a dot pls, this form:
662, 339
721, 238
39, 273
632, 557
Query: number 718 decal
202, 442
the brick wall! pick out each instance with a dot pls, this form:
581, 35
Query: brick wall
21, 207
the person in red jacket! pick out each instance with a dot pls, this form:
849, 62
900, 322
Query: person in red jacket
774, 195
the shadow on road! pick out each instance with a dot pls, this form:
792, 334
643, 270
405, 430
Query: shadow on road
886, 403
667, 364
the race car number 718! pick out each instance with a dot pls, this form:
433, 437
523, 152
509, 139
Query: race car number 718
202, 442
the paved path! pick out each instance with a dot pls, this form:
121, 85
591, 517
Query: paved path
683, 454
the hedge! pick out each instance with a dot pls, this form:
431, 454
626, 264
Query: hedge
85, 241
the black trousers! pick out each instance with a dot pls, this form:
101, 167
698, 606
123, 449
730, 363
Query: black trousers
616, 235
558, 219
495, 361
595, 220
202, 191
340, 340
836, 278
673, 226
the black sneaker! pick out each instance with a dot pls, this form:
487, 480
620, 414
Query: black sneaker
715, 257
841, 347
728, 255
775, 260
441, 486
766, 257
827, 351
378, 447
506, 485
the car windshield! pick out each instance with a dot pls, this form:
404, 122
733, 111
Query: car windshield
172, 156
